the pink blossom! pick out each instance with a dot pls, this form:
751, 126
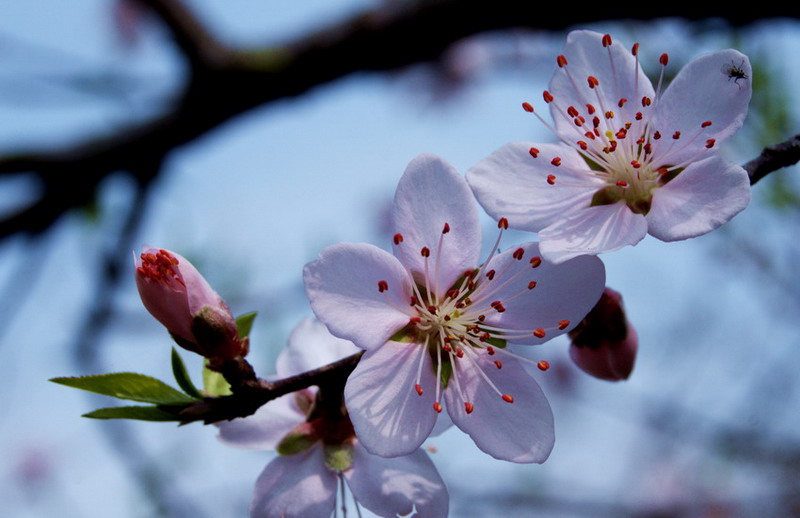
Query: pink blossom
435, 325
175, 293
631, 161
604, 344
302, 481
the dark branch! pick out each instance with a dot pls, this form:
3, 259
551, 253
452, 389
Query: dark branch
773, 158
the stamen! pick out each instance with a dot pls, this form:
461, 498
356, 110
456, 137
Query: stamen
398, 238
534, 152
543, 365
383, 286
527, 107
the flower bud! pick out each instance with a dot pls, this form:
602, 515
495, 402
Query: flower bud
604, 344
175, 293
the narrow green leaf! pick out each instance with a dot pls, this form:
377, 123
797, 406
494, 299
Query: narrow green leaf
140, 413
182, 375
214, 383
128, 385
244, 323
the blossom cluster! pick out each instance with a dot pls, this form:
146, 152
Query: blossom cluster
438, 325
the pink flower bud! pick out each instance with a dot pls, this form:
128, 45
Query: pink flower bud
604, 344
175, 293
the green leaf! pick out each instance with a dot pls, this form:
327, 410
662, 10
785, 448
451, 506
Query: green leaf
128, 385
214, 383
182, 376
140, 413
244, 323
339, 457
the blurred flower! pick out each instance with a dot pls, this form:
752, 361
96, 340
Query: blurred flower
433, 324
175, 293
630, 161
604, 344
319, 450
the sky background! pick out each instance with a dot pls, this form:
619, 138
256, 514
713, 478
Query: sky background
714, 394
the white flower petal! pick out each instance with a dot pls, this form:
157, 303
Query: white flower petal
295, 486
389, 417
311, 345
521, 431
430, 194
702, 197
513, 184
265, 428
342, 286
392, 487
594, 230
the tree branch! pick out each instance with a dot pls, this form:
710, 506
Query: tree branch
773, 158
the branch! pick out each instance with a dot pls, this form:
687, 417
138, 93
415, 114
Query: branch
773, 158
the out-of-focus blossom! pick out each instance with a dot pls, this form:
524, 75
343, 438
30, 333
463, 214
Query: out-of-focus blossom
604, 344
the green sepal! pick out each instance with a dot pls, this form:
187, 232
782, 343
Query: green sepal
244, 323
594, 166
214, 383
339, 457
295, 442
406, 335
497, 342
182, 376
139, 413
128, 385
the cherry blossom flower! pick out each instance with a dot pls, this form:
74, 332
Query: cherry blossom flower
435, 324
179, 297
631, 161
319, 452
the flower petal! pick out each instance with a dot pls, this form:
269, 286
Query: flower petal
521, 431
565, 291
342, 286
702, 91
616, 71
513, 184
389, 417
704, 196
311, 345
430, 194
295, 486
392, 487
264, 429
594, 230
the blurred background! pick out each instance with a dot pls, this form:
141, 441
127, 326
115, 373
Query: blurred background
706, 427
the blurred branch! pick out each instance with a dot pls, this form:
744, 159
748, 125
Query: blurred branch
773, 158
225, 81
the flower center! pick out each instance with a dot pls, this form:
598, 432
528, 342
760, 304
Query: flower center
161, 268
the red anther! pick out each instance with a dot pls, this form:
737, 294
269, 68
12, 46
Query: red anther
621, 134
656, 135
446, 228
469, 407
490, 274
662, 170
508, 398
431, 309
446, 348
543, 365
596, 121
664, 59
481, 318
460, 353
606, 43
622, 183
483, 337
471, 285
636, 164
437, 407
518, 253
548, 97
638, 116
628, 125
640, 141
418, 388
646, 101
563, 324
383, 286
590, 109
534, 152
584, 146
622, 102
398, 238
710, 143
498, 364
426, 252
536, 261
561, 61
556, 161
414, 321
531, 285
676, 135
527, 107
490, 350
572, 111
706, 124
500, 308
447, 318
502, 223
613, 146
589, 135
414, 300
452, 293
648, 149
635, 49
592, 81
609, 115
495, 303
539, 332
